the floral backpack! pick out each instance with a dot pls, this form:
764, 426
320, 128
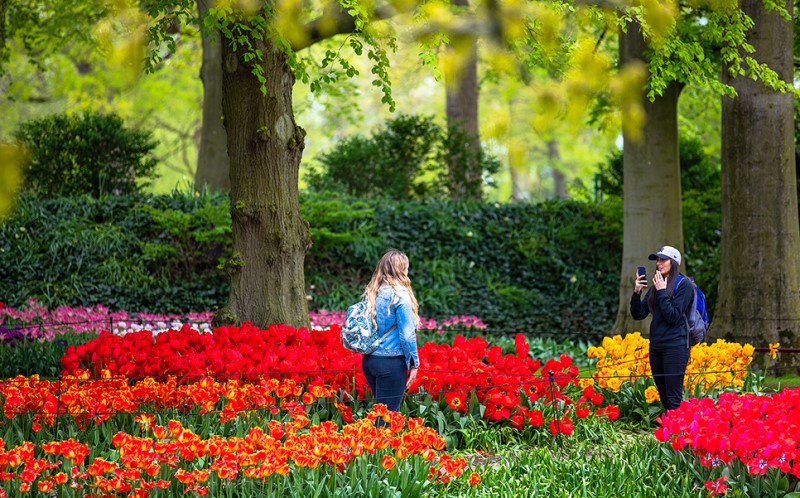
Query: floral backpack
359, 332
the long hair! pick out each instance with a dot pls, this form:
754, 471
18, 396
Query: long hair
671, 279
391, 270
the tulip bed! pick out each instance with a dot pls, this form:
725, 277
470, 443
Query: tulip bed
305, 375
513, 388
286, 412
746, 439
622, 372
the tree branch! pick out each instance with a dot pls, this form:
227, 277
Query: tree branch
337, 23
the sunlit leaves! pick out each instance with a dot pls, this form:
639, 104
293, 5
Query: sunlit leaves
12, 158
548, 27
123, 36
588, 74
657, 17
453, 61
246, 7
289, 22
626, 94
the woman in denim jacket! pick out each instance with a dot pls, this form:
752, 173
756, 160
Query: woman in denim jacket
392, 367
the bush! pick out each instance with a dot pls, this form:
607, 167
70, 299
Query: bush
90, 153
405, 159
544, 269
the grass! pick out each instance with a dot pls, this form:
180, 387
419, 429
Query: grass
780, 382
598, 461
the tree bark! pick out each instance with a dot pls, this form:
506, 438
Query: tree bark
213, 165
465, 175
270, 239
759, 286
559, 179
652, 185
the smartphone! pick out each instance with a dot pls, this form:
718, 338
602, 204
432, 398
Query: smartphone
642, 271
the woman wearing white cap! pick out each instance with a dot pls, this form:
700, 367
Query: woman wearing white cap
669, 348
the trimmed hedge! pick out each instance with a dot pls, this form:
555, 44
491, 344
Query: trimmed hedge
137, 252
549, 270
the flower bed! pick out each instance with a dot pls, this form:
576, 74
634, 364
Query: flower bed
718, 366
35, 322
511, 387
759, 433
283, 458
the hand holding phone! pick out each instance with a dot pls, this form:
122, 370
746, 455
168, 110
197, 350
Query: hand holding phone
641, 280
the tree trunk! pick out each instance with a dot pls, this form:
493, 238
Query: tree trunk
652, 186
270, 239
464, 169
559, 179
213, 166
759, 286
520, 184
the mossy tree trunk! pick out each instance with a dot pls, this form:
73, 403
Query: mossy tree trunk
652, 186
270, 239
759, 286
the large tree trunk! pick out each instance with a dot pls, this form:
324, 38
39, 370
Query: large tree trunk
213, 166
270, 239
652, 185
464, 170
759, 286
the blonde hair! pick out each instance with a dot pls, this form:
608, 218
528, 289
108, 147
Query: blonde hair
391, 270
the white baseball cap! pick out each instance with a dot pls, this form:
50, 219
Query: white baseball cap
667, 252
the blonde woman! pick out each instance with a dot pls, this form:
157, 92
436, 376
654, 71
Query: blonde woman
392, 367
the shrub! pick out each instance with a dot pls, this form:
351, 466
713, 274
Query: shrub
90, 153
405, 159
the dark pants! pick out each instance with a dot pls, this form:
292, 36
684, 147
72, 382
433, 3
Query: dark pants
669, 367
386, 376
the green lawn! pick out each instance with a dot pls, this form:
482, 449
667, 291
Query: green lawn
778, 383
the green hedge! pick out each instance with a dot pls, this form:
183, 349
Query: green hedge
138, 253
550, 269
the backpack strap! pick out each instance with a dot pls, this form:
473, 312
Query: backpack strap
681, 278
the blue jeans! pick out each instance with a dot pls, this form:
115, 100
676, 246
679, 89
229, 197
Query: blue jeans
669, 367
386, 377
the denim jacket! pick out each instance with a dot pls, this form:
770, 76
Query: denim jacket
393, 309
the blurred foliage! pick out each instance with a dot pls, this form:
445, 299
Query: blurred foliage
90, 153
11, 159
406, 158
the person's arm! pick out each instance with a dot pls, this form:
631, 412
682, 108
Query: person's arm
673, 310
408, 334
